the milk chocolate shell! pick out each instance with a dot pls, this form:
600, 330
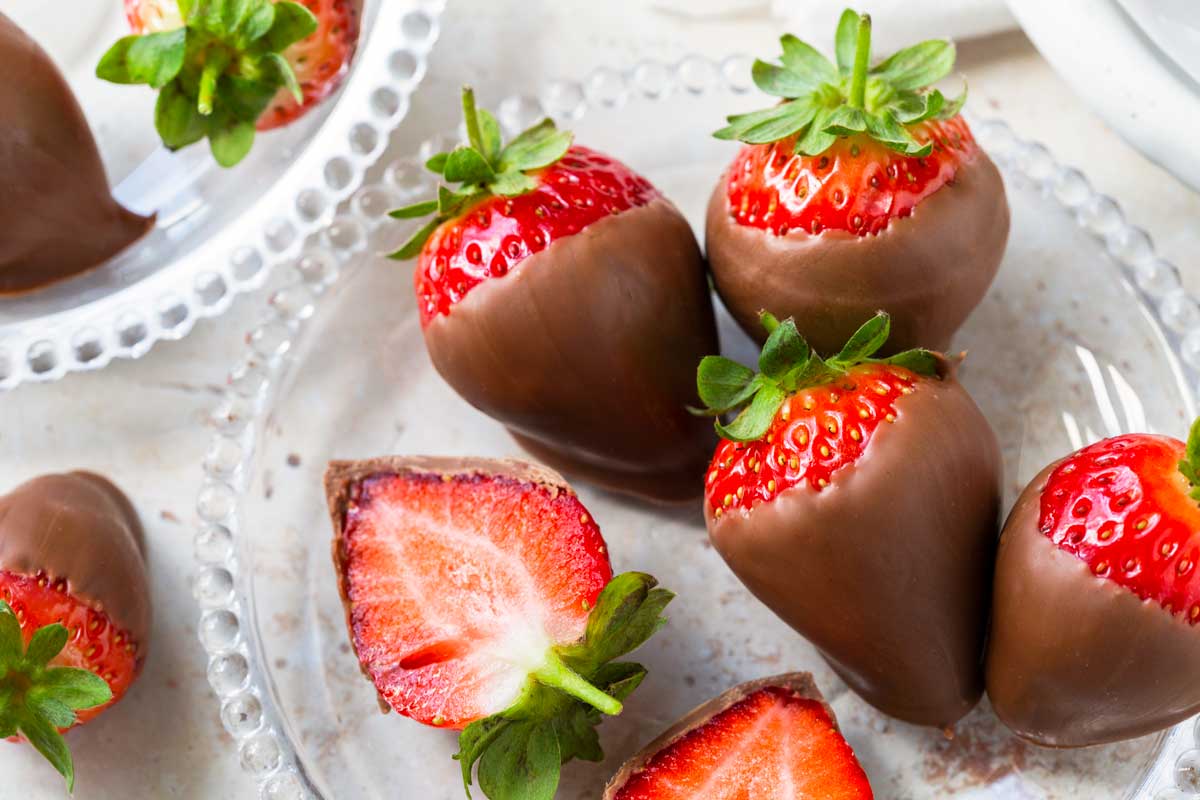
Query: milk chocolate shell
1075, 659
800, 683
887, 570
587, 352
928, 270
56, 213
79, 527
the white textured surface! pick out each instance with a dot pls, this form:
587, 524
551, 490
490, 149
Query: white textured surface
144, 422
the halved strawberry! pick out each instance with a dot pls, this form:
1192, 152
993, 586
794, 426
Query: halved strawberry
861, 189
479, 597
771, 738
1097, 594
561, 294
74, 607
226, 67
874, 485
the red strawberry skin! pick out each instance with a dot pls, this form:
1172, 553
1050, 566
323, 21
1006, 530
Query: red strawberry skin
577, 322
768, 738
833, 238
71, 552
858, 185
1093, 633
817, 434
457, 575
495, 236
894, 553
320, 62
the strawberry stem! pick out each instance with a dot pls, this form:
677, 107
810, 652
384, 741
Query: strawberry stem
862, 60
558, 675
471, 115
216, 64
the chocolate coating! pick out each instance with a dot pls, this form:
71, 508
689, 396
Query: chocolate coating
56, 213
887, 571
342, 476
79, 527
928, 270
587, 352
1075, 659
800, 683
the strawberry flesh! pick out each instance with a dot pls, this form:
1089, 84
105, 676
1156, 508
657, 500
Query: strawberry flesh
494, 236
858, 185
817, 432
774, 743
95, 644
458, 586
1122, 507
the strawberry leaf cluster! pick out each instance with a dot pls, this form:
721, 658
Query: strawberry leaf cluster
37, 700
1189, 465
521, 750
822, 101
217, 74
483, 167
787, 365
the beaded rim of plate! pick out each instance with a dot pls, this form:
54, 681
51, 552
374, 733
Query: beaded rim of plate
388, 69
235, 671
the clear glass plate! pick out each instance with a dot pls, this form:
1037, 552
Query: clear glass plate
219, 232
1085, 333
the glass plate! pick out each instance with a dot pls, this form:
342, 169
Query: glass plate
1086, 333
219, 232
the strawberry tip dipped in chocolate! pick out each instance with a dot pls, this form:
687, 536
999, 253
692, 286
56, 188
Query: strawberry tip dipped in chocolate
74, 607
561, 294
479, 597
863, 189
1097, 596
858, 498
773, 737
226, 68
52, 176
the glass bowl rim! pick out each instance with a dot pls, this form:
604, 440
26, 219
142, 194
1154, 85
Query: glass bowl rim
236, 663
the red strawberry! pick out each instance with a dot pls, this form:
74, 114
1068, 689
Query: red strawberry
225, 68
874, 485
816, 219
1097, 595
479, 597
767, 738
74, 607
563, 295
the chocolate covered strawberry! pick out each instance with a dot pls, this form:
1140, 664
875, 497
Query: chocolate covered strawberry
479, 597
560, 293
862, 189
225, 68
858, 498
1097, 595
74, 607
771, 738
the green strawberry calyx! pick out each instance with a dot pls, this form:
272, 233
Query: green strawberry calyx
822, 101
37, 700
218, 73
1189, 465
521, 750
787, 365
484, 167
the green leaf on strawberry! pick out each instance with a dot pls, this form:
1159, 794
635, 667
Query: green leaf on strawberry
37, 700
218, 73
520, 751
787, 365
484, 167
822, 101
